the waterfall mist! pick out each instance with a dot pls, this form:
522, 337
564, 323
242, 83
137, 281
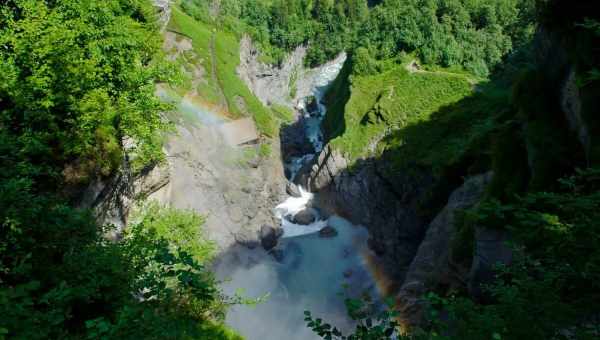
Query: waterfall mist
306, 273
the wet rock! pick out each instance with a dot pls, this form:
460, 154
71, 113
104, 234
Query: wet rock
304, 217
278, 254
312, 107
432, 263
292, 190
247, 239
328, 232
269, 236
491, 248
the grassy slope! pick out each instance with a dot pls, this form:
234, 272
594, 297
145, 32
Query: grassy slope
218, 51
391, 101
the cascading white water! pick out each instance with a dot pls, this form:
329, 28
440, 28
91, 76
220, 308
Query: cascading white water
305, 271
289, 208
313, 120
322, 83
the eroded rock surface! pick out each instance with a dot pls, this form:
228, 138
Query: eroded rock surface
113, 199
431, 265
215, 179
364, 196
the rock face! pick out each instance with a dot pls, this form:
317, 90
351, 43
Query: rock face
365, 197
292, 190
287, 84
247, 238
282, 84
214, 179
112, 199
431, 265
164, 11
491, 248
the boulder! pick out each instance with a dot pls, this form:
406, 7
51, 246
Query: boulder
247, 239
491, 248
269, 236
328, 232
304, 217
292, 190
312, 106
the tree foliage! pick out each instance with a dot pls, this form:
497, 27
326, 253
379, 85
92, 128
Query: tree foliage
77, 82
475, 35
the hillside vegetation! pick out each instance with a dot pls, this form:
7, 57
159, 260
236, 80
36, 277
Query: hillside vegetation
217, 52
544, 192
443, 88
77, 100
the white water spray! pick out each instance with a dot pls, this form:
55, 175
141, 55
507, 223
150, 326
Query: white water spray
289, 208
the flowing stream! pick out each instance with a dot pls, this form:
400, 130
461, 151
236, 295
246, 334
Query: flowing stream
305, 271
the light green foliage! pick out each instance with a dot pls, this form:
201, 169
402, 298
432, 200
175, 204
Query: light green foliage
77, 80
394, 99
265, 150
283, 113
293, 86
218, 49
239, 98
471, 34
201, 36
78, 77
181, 228
370, 323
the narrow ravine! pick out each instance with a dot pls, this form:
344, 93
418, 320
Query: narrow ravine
315, 264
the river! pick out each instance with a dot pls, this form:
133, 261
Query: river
305, 271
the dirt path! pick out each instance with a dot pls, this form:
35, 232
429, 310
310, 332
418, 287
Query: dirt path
414, 67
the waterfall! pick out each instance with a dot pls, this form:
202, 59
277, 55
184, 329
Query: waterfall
286, 211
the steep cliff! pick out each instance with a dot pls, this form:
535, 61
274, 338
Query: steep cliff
363, 195
432, 265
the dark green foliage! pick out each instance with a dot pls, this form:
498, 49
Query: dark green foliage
77, 80
472, 34
370, 324
553, 287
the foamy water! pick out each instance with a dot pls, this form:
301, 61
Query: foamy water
290, 207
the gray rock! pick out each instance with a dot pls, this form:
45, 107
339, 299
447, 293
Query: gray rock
491, 249
328, 232
269, 236
369, 195
292, 189
431, 264
164, 11
247, 238
312, 106
304, 217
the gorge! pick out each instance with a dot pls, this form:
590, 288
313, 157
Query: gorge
299, 169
